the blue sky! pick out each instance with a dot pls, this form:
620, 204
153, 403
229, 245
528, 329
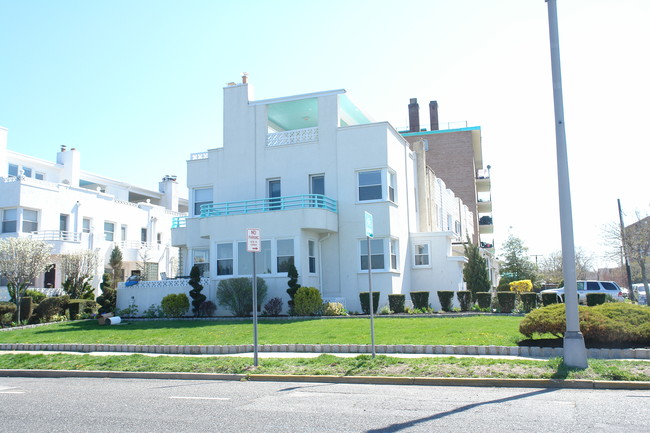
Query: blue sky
136, 86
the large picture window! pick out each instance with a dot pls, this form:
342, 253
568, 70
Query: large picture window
245, 259
225, 264
284, 254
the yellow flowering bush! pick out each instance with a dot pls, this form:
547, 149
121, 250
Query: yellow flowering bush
521, 286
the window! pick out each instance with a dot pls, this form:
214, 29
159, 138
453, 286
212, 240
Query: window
393, 254
392, 182
317, 184
123, 231
143, 235
285, 254
274, 193
9, 221
27, 171
85, 225
449, 221
202, 196
376, 254
202, 261
224, 259
39, 176
159, 238
13, 170
421, 257
370, 185
109, 231
311, 247
245, 259
30, 221
63, 222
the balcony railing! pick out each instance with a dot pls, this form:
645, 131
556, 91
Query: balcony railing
136, 245
56, 235
269, 204
178, 222
296, 136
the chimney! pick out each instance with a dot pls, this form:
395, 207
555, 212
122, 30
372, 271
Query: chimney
414, 116
433, 115
244, 77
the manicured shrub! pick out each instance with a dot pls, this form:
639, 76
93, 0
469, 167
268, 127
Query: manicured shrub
396, 302
108, 298
521, 286
50, 307
506, 301
80, 307
207, 309
464, 299
236, 294
6, 308
596, 299
195, 282
36, 296
273, 307
420, 299
484, 299
175, 305
364, 298
292, 273
549, 299
528, 301
334, 309
308, 302
26, 308
445, 297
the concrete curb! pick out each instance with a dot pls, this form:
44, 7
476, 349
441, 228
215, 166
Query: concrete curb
523, 351
370, 380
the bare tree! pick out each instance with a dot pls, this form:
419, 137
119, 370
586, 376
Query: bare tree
21, 261
78, 269
551, 266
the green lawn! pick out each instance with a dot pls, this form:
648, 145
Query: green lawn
475, 330
362, 365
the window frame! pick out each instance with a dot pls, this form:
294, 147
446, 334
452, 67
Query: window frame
263, 262
311, 256
106, 232
197, 204
7, 222
417, 254
291, 258
363, 245
26, 222
85, 229
203, 254
221, 259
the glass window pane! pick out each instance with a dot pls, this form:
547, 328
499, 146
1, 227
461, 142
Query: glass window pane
285, 247
13, 170
318, 185
370, 193
224, 251
28, 171
9, 215
203, 194
370, 178
244, 260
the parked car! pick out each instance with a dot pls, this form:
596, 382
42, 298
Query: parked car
639, 294
591, 286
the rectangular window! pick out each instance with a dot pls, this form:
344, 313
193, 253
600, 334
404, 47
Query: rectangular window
449, 221
393, 254
245, 259
370, 185
421, 257
85, 225
109, 231
63, 222
376, 254
202, 261
274, 193
285, 254
39, 176
123, 232
13, 170
30, 221
27, 171
392, 185
317, 184
159, 238
224, 259
9, 221
202, 196
143, 235
311, 247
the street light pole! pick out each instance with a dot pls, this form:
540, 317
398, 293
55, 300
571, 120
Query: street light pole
575, 353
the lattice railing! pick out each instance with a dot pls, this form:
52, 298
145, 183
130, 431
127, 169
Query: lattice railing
305, 135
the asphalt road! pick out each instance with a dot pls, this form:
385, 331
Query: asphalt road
138, 405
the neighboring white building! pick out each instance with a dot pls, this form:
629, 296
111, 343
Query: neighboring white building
75, 210
304, 169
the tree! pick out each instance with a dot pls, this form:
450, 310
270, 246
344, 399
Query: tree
292, 273
516, 265
475, 272
197, 297
108, 298
78, 269
21, 261
115, 262
551, 270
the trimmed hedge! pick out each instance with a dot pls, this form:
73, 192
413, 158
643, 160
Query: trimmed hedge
484, 299
420, 299
7, 308
175, 305
506, 301
36, 296
549, 299
307, 302
445, 297
365, 303
50, 307
396, 302
596, 299
528, 301
464, 299
78, 306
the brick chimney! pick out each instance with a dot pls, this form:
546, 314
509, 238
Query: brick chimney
414, 116
433, 115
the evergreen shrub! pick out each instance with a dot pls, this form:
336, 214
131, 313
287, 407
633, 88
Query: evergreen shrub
521, 286
596, 299
464, 299
175, 305
549, 299
396, 302
36, 296
420, 299
364, 299
6, 308
308, 302
445, 297
236, 294
78, 307
528, 301
26, 308
273, 307
506, 301
484, 299
50, 307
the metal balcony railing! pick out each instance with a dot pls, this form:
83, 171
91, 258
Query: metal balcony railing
56, 235
268, 205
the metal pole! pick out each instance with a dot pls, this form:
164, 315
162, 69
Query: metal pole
371, 300
627, 262
254, 311
575, 353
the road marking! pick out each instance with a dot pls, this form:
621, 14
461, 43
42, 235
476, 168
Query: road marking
200, 398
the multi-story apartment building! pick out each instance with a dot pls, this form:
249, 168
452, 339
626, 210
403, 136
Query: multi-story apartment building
304, 170
72, 209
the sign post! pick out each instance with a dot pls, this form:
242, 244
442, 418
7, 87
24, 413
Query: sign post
370, 234
254, 245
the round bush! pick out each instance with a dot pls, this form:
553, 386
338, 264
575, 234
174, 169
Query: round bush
175, 305
49, 307
36, 296
307, 302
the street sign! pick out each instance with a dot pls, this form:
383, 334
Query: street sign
253, 240
369, 231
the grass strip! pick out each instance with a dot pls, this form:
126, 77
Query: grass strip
362, 365
475, 330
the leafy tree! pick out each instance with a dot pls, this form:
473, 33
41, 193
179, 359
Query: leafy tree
78, 269
516, 264
108, 298
115, 262
475, 272
197, 297
292, 273
21, 261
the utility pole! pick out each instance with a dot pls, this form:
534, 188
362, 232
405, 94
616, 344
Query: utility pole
627, 262
575, 353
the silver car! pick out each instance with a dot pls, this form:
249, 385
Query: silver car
591, 286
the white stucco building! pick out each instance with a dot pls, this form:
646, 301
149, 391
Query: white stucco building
76, 210
304, 169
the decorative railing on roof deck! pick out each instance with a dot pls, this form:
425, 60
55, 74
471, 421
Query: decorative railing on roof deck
295, 136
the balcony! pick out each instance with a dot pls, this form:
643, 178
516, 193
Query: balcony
485, 225
295, 136
292, 202
483, 184
484, 206
137, 245
56, 235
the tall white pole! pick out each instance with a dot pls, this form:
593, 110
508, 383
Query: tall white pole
575, 354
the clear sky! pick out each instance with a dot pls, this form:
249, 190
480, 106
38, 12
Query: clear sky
136, 86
